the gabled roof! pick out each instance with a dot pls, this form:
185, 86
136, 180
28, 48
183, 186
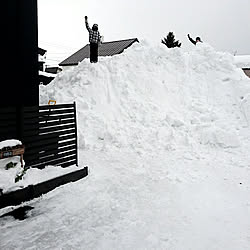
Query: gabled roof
105, 49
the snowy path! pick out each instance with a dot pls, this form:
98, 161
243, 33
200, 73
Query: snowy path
167, 142
176, 201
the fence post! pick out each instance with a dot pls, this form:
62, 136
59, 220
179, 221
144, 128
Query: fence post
76, 133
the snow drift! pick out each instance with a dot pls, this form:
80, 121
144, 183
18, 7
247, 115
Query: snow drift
166, 137
151, 99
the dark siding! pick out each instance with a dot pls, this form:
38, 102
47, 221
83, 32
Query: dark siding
20, 50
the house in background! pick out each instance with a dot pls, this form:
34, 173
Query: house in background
105, 49
53, 69
41, 58
46, 74
243, 62
45, 77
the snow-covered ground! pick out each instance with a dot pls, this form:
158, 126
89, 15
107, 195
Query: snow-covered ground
31, 177
166, 136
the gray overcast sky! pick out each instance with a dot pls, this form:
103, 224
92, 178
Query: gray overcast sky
225, 24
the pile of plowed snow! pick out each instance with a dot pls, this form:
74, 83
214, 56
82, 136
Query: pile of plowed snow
150, 99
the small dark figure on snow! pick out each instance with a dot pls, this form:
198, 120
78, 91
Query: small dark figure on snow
197, 40
94, 40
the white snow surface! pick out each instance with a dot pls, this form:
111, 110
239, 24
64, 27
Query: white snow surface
166, 136
242, 61
31, 177
9, 143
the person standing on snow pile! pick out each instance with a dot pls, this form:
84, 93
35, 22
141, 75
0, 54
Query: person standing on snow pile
197, 40
94, 40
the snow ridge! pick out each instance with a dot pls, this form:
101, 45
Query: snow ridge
151, 99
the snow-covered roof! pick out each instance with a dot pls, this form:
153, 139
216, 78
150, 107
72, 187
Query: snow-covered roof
105, 49
242, 61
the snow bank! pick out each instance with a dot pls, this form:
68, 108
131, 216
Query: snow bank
31, 177
149, 99
11, 167
9, 143
187, 114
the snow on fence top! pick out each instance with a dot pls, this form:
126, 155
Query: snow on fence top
149, 99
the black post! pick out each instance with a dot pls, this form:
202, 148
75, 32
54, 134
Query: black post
76, 133
20, 53
19, 56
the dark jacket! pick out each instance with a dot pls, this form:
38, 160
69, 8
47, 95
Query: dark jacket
94, 35
193, 41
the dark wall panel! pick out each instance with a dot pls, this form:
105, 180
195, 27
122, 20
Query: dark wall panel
20, 53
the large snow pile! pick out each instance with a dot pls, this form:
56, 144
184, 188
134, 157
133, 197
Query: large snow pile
152, 98
166, 136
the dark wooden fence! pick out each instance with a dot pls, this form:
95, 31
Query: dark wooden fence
48, 132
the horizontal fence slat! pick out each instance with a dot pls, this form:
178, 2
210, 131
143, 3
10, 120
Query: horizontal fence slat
45, 136
10, 130
30, 127
56, 123
53, 139
32, 114
56, 151
41, 143
31, 109
56, 128
41, 125
47, 113
30, 134
48, 118
56, 162
69, 142
8, 116
50, 147
68, 137
57, 156
55, 117
48, 152
68, 163
59, 129
32, 121
63, 164
7, 110
56, 112
8, 123
48, 133
58, 106
45, 158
